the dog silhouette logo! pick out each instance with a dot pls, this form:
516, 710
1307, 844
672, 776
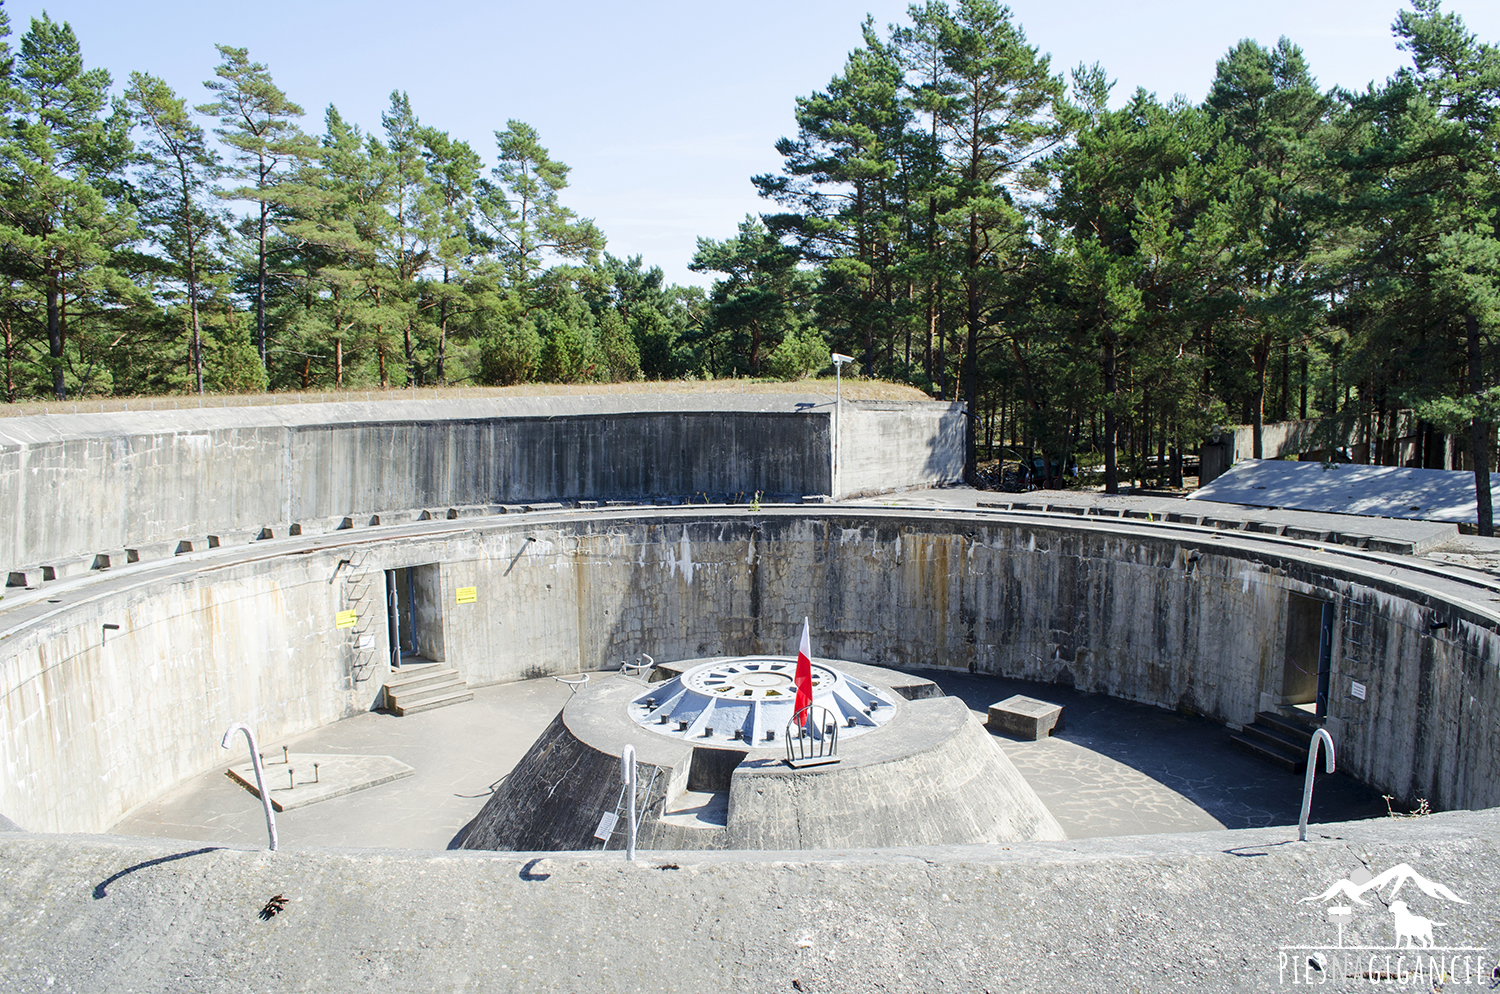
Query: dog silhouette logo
1413, 928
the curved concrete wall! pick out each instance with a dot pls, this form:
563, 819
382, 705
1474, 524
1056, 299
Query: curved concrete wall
90, 728
77, 486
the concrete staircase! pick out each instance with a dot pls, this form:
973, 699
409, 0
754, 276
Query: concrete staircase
424, 686
1279, 740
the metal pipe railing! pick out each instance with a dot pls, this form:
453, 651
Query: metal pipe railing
627, 774
260, 775
1321, 735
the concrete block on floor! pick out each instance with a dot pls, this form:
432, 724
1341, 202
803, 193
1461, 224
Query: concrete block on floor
295, 783
1025, 717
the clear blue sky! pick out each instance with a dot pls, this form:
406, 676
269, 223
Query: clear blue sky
664, 109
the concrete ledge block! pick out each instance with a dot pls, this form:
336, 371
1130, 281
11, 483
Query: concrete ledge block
150, 551
1064, 509
60, 568
1305, 534
1025, 717
551, 506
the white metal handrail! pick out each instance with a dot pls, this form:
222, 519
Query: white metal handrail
1321, 735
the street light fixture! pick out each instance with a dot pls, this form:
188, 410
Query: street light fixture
838, 403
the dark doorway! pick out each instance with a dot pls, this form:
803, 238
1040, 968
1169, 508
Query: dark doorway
1309, 653
414, 623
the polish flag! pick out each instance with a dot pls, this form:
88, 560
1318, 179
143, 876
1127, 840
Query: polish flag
804, 699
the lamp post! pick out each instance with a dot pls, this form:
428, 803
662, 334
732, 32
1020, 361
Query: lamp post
838, 403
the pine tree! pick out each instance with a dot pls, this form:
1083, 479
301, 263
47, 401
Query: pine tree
64, 210
178, 170
257, 121
520, 211
999, 114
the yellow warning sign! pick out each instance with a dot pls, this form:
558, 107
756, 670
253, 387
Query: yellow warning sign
346, 619
468, 595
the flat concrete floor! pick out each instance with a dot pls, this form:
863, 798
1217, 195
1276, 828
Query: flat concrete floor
1116, 768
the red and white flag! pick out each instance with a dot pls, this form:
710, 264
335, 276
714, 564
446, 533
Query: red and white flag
802, 707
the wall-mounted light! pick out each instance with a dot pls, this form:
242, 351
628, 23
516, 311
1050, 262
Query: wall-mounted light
107, 629
1435, 622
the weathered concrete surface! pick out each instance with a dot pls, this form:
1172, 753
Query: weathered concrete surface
83, 484
930, 776
97, 721
1209, 912
1145, 612
886, 445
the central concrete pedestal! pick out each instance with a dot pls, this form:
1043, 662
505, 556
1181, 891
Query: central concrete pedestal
928, 775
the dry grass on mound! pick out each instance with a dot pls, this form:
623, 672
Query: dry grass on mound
853, 389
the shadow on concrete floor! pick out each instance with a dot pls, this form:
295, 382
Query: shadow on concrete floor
1116, 764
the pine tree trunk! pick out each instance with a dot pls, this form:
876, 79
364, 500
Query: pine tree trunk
55, 339
1260, 355
260, 291
1479, 431
1111, 466
10, 352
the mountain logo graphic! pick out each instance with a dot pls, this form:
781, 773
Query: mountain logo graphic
1359, 883
1375, 907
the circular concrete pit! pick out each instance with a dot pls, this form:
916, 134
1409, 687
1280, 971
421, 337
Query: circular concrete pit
274, 571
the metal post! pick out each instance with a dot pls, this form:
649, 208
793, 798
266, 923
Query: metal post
393, 618
1312, 768
627, 773
260, 775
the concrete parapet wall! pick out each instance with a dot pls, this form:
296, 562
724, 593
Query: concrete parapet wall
89, 730
75, 486
886, 446
1212, 912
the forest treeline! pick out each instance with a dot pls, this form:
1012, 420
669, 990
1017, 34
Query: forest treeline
951, 210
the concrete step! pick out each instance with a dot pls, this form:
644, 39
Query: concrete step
1275, 757
404, 698
1294, 729
425, 687
412, 678
429, 703
1274, 738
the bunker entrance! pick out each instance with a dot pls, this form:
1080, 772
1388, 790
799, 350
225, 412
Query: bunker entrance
1309, 652
712, 770
414, 614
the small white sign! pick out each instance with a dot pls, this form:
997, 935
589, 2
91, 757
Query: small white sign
1356, 690
367, 641
606, 826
